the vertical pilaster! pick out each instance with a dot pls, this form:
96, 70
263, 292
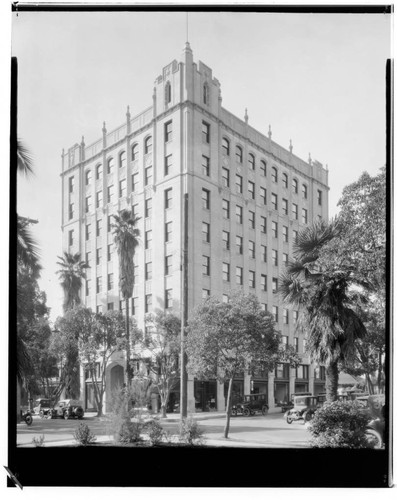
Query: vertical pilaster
247, 383
191, 402
311, 378
220, 396
270, 390
291, 384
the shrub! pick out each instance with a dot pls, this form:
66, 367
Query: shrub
190, 432
155, 432
38, 441
83, 435
340, 424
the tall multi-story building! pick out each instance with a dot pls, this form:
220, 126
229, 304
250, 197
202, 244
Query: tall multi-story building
247, 199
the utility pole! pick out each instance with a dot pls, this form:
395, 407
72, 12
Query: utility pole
183, 389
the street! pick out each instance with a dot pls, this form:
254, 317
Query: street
270, 431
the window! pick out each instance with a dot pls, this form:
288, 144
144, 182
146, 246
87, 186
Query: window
168, 265
98, 171
98, 199
274, 284
304, 215
71, 184
98, 227
168, 298
263, 253
239, 154
110, 281
87, 287
109, 223
225, 271
319, 372
263, 225
285, 317
110, 252
88, 259
295, 235
319, 197
99, 284
168, 131
168, 198
206, 94
110, 306
167, 164
205, 196
251, 161
251, 249
239, 275
148, 145
110, 165
285, 234
226, 240
122, 188
251, 190
134, 182
263, 282
275, 257
251, 279
225, 177
225, 146
87, 232
239, 184
304, 191
274, 229
148, 303
71, 210
285, 259
284, 206
148, 240
205, 130
284, 341
225, 298
88, 204
134, 152
274, 201
70, 237
294, 317
148, 207
110, 194
239, 214
302, 372
99, 309
263, 195
284, 181
167, 93
98, 256
148, 271
262, 168
122, 159
205, 293
296, 344
205, 163
148, 176
274, 174
168, 232
251, 219
275, 313
295, 186
206, 265
134, 210
88, 177
134, 305
226, 209
239, 244
305, 345
295, 211
206, 232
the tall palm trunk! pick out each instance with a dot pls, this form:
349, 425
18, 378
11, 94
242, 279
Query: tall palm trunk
128, 349
331, 381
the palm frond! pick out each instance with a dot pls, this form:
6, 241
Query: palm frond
24, 159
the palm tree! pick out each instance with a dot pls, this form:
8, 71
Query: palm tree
320, 290
24, 159
126, 237
72, 273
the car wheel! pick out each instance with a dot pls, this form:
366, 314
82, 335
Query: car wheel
289, 419
234, 412
374, 438
246, 412
265, 409
29, 419
308, 416
65, 415
41, 414
49, 414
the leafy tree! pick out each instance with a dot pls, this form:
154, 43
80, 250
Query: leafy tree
227, 338
163, 342
326, 313
126, 237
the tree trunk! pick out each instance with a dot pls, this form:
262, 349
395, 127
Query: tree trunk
331, 381
128, 349
380, 373
228, 408
369, 383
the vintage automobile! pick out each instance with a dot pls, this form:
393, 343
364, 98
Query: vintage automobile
68, 408
304, 409
376, 405
251, 404
43, 407
288, 406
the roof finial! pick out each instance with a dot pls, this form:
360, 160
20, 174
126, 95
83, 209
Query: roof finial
270, 132
246, 116
291, 147
187, 27
310, 159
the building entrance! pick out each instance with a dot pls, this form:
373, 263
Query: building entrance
205, 395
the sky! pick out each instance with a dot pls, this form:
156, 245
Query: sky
317, 79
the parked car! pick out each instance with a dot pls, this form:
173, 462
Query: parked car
304, 409
68, 408
376, 405
251, 404
43, 407
288, 406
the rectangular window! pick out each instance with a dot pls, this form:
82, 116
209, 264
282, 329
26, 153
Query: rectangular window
134, 306
226, 271
110, 306
205, 197
87, 204
275, 313
98, 199
168, 131
206, 232
319, 197
110, 252
205, 163
284, 206
304, 215
251, 190
225, 298
302, 372
262, 168
284, 341
148, 176
71, 210
109, 223
274, 201
88, 259
148, 207
98, 227
122, 188
71, 184
226, 209
239, 214
225, 177
263, 224
99, 309
98, 256
263, 253
110, 281
168, 232
239, 275
251, 249
263, 195
285, 259
168, 198
275, 257
99, 284
239, 184
295, 235
295, 211
274, 229
148, 303
148, 240
167, 164
168, 265
226, 240
251, 279
87, 232
285, 317
274, 285
263, 282
148, 271
134, 210
251, 219
98, 172
296, 344
205, 294
285, 234
110, 194
87, 287
239, 244
206, 265
294, 317
134, 182
206, 132
70, 237
168, 298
